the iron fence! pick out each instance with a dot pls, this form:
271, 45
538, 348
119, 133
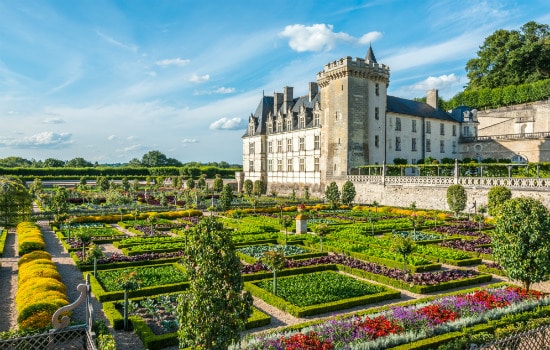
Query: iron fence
535, 339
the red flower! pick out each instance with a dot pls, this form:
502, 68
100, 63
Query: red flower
379, 327
438, 314
308, 341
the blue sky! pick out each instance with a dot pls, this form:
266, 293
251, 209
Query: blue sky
111, 80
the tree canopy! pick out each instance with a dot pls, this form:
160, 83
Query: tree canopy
521, 241
15, 202
511, 57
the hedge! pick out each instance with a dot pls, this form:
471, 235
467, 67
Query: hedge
29, 238
3, 236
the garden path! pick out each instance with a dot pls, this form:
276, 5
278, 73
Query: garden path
8, 283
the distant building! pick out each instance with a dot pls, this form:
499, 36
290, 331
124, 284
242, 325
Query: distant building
347, 120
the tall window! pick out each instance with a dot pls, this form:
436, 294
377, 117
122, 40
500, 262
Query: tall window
251, 129
316, 164
279, 125
251, 166
398, 124
428, 145
316, 119
413, 125
376, 113
279, 146
441, 146
270, 165
376, 141
289, 124
398, 143
302, 121
302, 164
377, 89
454, 146
428, 127
269, 126
270, 147
252, 148
454, 130
289, 145
441, 129
317, 142
279, 165
302, 144
413, 144
289, 165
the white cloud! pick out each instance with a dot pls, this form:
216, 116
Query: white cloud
172, 62
112, 137
46, 139
320, 37
441, 82
55, 120
117, 43
189, 141
199, 78
221, 90
228, 124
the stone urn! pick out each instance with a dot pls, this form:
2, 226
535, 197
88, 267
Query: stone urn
301, 223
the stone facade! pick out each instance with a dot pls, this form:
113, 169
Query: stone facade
347, 120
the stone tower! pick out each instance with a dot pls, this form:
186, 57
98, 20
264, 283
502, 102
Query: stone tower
353, 105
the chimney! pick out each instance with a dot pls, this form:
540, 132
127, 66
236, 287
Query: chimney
288, 98
277, 101
431, 98
313, 90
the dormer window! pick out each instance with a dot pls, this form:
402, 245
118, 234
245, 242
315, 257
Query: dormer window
289, 124
302, 122
270, 125
251, 128
279, 125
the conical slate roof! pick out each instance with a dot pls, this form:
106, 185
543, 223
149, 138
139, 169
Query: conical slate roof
370, 55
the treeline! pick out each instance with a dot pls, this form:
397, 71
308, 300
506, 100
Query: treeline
500, 96
118, 172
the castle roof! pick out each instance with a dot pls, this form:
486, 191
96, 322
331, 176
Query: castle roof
419, 109
370, 55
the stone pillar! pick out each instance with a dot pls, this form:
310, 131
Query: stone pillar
456, 171
239, 176
301, 224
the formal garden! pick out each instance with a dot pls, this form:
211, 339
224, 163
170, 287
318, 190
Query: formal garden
206, 267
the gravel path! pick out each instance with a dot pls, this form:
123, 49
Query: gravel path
8, 283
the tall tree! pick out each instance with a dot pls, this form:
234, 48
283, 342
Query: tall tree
78, 162
214, 309
226, 197
511, 57
53, 163
15, 202
248, 187
59, 204
332, 194
218, 184
521, 241
154, 158
456, 198
496, 196
348, 193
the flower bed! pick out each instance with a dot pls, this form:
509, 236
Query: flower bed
406, 323
148, 276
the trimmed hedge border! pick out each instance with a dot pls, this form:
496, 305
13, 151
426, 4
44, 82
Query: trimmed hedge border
103, 296
484, 269
3, 237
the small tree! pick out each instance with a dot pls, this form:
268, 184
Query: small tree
404, 246
322, 230
259, 187
286, 222
201, 183
215, 309
496, 197
332, 194
125, 184
218, 184
456, 198
127, 281
248, 187
226, 197
59, 204
85, 237
306, 193
190, 184
348, 193
275, 261
521, 240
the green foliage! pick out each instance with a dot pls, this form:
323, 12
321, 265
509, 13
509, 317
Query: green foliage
215, 308
190, 183
226, 197
218, 184
15, 202
456, 198
259, 187
404, 246
332, 194
248, 187
521, 241
348, 193
496, 197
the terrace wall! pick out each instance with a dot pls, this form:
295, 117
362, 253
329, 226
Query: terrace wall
430, 192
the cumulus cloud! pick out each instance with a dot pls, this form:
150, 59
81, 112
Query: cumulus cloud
46, 139
189, 141
228, 124
55, 120
172, 62
441, 82
112, 137
320, 37
199, 78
